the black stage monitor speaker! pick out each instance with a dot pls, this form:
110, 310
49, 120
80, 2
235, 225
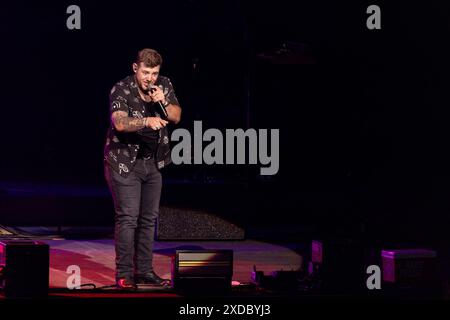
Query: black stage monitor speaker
25, 268
202, 270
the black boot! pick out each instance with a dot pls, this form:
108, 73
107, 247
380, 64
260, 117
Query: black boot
150, 278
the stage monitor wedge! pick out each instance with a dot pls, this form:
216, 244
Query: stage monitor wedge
202, 270
25, 268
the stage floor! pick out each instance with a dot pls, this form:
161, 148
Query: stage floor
95, 258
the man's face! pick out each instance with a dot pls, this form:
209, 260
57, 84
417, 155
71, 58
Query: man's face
145, 75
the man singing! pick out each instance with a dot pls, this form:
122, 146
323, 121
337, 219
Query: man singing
137, 147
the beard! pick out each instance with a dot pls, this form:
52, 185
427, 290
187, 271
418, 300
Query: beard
144, 87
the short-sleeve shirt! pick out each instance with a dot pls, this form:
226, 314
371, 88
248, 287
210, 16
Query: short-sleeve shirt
121, 148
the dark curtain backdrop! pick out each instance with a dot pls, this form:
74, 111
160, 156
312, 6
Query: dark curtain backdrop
363, 115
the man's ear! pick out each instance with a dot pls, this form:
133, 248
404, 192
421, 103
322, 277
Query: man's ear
135, 67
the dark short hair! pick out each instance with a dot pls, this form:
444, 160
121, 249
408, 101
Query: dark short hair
151, 58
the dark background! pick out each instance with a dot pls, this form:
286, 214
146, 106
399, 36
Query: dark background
362, 113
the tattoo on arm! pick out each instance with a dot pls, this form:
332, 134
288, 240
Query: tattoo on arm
123, 122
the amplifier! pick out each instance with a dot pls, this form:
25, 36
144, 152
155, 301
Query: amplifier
25, 268
202, 270
409, 266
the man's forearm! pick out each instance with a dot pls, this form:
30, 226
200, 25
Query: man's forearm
173, 113
128, 124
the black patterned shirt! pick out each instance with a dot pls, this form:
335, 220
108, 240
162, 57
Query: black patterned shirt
121, 148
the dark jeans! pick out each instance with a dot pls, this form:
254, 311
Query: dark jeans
136, 202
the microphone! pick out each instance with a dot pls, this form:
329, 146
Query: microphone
159, 106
